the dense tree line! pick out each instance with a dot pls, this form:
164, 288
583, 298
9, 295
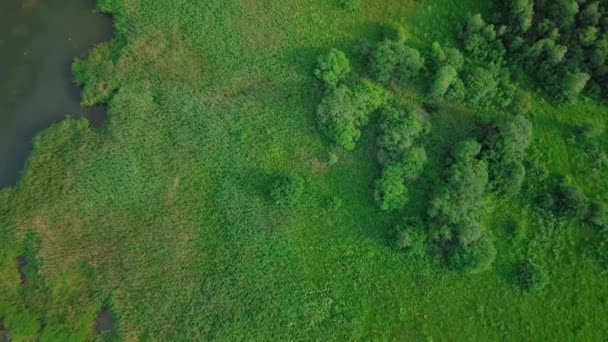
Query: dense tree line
562, 43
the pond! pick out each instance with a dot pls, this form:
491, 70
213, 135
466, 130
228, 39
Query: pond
39, 39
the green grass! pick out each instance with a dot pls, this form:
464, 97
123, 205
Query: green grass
164, 216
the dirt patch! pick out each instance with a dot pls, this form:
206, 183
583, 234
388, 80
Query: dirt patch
104, 323
22, 267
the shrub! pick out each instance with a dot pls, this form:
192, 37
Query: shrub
333, 68
481, 86
391, 191
475, 257
446, 56
570, 201
334, 203
445, 77
399, 130
410, 238
506, 147
413, 162
393, 61
480, 40
343, 112
598, 214
287, 191
462, 196
394, 32
528, 276
350, 5
573, 85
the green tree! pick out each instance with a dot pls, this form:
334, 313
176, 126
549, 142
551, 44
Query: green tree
333, 68
445, 77
481, 86
393, 61
410, 239
521, 13
343, 111
573, 85
475, 257
391, 192
399, 130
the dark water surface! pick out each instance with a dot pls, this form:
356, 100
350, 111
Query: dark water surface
39, 39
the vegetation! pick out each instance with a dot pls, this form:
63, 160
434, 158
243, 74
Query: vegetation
424, 184
287, 190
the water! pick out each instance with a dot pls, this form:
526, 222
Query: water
39, 39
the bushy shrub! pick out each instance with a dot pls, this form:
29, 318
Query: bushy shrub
481, 40
333, 68
393, 61
394, 32
506, 146
413, 162
570, 201
350, 5
411, 239
598, 214
445, 78
287, 190
528, 276
391, 192
474, 257
343, 112
481, 85
573, 84
399, 130
445, 56
462, 195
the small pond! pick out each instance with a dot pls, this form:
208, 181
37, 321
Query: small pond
39, 39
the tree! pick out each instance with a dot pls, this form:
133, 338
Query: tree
598, 214
413, 162
521, 13
287, 190
343, 111
393, 61
481, 86
570, 201
462, 195
505, 150
481, 40
391, 192
399, 130
445, 77
573, 85
410, 239
475, 257
333, 68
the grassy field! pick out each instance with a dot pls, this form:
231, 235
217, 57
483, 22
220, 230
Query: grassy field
163, 215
